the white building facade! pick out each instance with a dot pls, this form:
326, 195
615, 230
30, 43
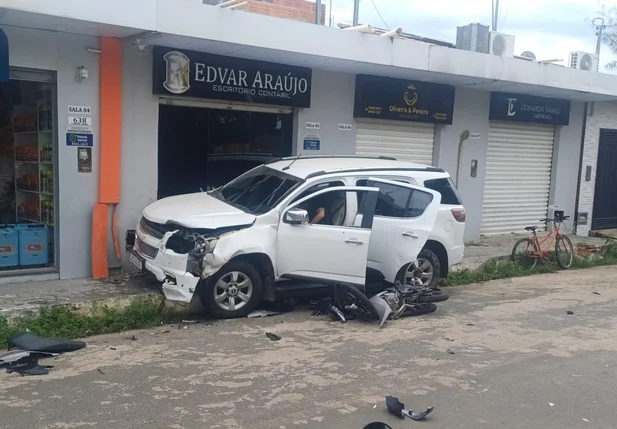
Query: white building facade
509, 132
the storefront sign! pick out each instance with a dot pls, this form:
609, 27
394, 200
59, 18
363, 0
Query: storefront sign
203, 75
80, 120
528, 108
474, 136
313, 125
82, 140
344, 127
403, 100
311, 142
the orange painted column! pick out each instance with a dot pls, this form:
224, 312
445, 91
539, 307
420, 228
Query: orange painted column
110, 96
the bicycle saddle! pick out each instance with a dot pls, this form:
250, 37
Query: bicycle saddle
28, 341
531, 228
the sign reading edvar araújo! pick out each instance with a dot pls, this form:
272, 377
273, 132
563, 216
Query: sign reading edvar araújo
528, 108
203, 75
403, 100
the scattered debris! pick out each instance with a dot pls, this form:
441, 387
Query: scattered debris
585, 420
551, 404
596, 293
112, 348
471, 324
570, 312
262, 313
31, 348
100, 370
397, 408
167, 331
272, 336
450, 351
133, 338
586, 251
374, 406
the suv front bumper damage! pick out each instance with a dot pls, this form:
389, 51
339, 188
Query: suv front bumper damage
179, 273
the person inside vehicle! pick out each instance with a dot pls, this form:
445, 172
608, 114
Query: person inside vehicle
329, 209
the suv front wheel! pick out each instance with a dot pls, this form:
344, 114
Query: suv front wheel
234, 291
426, 269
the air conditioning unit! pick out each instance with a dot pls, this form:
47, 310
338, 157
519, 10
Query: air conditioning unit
501, 45
473, 37
584, 61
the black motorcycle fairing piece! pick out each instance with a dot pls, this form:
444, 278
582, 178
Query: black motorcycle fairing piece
352, 301
28, 341
25, 362
397, 408
377, 425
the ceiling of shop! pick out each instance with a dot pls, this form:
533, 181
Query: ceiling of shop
63, 25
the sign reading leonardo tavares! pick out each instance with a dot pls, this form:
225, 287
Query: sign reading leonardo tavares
403, 100
528, 108
203, 75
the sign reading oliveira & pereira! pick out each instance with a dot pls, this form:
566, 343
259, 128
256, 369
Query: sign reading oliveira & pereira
203, 75
403, 100
528, 108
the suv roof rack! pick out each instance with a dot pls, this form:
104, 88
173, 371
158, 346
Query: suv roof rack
375, 169
286, 158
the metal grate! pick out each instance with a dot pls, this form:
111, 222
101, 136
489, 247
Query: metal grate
149, 228
145, 249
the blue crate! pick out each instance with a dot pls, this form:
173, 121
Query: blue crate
9, 246
33, 244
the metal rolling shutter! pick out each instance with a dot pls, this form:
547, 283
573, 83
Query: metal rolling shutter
408, 142
518, 177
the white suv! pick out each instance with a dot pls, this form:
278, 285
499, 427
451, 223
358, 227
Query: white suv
301, 221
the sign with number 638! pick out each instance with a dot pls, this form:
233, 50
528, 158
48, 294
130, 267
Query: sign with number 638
80, 120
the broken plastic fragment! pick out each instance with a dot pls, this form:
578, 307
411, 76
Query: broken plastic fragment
272, 336
397, 408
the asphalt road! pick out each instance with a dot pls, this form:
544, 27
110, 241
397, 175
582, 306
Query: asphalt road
520, 361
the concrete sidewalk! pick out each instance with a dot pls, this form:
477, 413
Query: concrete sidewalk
27, 298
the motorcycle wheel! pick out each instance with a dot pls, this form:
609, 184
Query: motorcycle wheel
435, 297
420, 310
348, 295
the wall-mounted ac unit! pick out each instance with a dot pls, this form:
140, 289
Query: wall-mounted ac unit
501, 45
584, 61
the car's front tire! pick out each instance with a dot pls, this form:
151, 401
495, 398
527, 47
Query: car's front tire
426, 269
234, 291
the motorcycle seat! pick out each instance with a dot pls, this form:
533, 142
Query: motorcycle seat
28, 341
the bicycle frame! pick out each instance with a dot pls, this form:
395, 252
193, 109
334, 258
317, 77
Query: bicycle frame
541, 251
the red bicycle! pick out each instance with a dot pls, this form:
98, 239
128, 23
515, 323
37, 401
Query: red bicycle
528, 251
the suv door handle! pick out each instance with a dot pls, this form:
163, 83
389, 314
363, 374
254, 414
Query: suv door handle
410, 234
353, 241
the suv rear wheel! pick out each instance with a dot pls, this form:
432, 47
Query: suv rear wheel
234, 291
426, 269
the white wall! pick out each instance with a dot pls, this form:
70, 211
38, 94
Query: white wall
601, 115
140, 110
566, 161
470, 113
78, 192
332, 97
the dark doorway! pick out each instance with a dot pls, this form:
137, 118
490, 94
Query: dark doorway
205, 148
605, 203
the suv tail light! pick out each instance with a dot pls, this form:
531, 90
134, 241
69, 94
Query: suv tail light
459, 214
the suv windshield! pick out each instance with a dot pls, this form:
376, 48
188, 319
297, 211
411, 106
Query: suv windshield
258, 190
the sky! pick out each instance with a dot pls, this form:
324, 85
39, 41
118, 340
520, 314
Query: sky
548, 28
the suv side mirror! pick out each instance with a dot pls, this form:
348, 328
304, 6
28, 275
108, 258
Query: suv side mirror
296, 216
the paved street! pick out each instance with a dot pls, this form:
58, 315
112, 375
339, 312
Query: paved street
516, 352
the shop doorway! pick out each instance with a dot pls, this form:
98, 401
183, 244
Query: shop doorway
201, 148
27, 172
604, 201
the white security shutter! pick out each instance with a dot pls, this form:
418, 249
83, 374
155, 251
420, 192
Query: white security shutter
518, 177
405, 142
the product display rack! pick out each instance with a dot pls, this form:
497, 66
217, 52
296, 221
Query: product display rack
34, 175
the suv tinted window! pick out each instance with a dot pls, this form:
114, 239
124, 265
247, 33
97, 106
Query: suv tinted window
445, 186
398, 201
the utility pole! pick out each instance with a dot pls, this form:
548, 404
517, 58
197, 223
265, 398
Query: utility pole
495, 4
318, 12
356, 11
599, 24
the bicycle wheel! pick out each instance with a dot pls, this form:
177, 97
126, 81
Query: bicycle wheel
523, 253
564, 251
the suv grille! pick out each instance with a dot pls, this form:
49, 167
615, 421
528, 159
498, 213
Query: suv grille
145, 249
152, 229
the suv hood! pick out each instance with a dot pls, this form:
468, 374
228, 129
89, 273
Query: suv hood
199, 210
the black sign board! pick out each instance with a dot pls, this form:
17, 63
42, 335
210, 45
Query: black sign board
527, 108
202, 75
403, 100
